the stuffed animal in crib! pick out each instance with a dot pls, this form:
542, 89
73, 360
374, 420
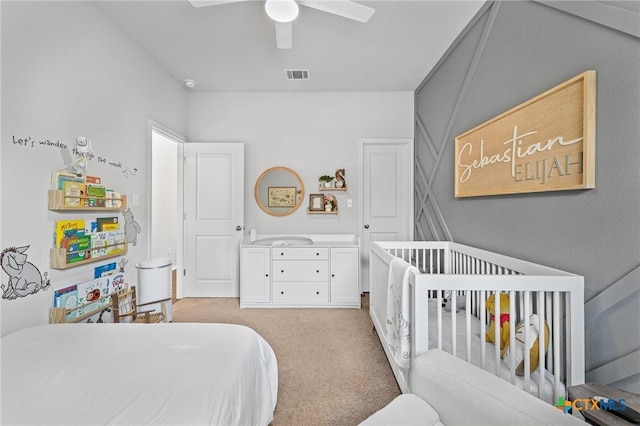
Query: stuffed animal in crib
447, 302
534, 347
503, 321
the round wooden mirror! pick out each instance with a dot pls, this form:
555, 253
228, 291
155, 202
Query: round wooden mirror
279, 191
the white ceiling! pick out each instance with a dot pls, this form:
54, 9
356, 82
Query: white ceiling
231, 47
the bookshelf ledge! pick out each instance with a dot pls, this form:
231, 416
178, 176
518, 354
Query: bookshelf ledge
322, 212
59, 255
332, 188
57, 202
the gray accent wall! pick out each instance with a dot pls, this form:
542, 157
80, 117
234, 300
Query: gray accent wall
511, 52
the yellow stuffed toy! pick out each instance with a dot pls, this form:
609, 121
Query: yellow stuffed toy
534, 348
503, 321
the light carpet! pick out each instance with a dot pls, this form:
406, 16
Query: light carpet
332, 368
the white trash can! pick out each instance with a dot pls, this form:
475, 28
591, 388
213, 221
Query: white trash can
154, 283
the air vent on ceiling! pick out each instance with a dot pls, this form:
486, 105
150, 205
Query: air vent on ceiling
297, 74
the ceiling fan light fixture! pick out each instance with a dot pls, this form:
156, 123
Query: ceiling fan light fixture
282, 10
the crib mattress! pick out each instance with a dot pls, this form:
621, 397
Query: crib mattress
490, 364
137, 374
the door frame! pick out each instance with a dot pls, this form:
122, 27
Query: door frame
409, 142
180, 141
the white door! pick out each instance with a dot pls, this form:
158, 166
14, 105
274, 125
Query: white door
387, 195
213, 218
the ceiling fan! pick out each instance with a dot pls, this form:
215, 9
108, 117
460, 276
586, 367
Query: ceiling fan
283, 12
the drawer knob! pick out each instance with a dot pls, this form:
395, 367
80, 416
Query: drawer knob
282, 292
317, 271
266, 275
282, 271
317, 254
333, 275
281, 254
317, 292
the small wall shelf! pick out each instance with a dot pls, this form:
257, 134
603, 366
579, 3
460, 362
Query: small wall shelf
322, 188
59, 315
58, 256
57, 197
322, 211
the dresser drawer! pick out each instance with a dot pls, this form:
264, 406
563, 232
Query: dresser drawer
301, 292
300, 270
306, 253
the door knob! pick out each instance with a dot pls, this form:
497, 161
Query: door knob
239, 228
366, 226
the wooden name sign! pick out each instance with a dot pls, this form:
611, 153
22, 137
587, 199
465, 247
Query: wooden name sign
544, 144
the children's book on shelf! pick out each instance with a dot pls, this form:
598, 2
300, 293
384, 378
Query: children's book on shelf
98, 245
92, 180
95, 195
92, 227
58, 179
104, 270
78, 247
116, 282
66, 298
93, 294
92, 291
95, 190
107, 243
74, 194
108, 223
114, 199
77, 256
68, 228
90, 295
116, 242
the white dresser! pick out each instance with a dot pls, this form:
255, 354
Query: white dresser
300, 271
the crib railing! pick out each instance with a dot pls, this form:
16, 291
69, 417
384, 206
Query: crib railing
452, 271
522, 304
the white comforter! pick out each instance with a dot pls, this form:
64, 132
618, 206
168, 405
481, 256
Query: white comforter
177, 373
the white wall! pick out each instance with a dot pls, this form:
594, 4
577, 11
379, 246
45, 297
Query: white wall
67, 71
164, 190
312, 133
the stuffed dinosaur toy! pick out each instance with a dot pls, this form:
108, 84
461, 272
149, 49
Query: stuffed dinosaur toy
502, 321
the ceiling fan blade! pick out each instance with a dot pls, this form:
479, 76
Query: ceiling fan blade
284, 35
204, 3
344, 8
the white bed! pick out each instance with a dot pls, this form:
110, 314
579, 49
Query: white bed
160, 374
412, 313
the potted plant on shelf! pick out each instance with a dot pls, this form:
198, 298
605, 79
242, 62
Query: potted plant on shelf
326, 181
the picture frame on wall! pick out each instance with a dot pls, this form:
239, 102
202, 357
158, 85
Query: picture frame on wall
282, 196
316, 202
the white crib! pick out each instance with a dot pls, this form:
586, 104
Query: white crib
459, 271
